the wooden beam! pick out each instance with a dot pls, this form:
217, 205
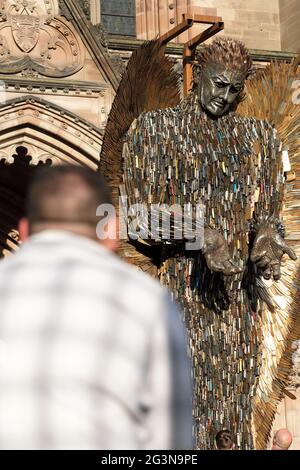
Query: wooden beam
204, 19
187, 70
208, 33
289, 394
177, 30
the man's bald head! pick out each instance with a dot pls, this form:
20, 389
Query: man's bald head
66, 197
282, 440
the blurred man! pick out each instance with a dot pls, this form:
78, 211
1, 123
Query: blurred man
224, 440
92, 351
282, 440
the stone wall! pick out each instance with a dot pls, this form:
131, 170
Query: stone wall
271, 25
255, 22
290, 20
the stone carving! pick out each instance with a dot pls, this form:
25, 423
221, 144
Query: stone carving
37, 8
116, 60
29, 73
4, 49
100, 34
2, 10
6, 155
38, 122
64, 10
85, 5
14, 235
36, 155
25, 31
118, 64
33, 39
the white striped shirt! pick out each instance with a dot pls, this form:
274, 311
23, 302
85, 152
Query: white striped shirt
92, 352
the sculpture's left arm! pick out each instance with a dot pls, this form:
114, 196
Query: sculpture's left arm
269, 245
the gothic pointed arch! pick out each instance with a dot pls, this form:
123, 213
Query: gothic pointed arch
48, 132
36, 133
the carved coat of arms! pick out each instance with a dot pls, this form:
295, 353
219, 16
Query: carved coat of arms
25, 31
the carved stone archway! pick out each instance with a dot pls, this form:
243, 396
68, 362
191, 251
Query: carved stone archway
47, 130
34, 133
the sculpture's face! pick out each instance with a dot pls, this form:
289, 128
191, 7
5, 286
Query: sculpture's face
219, 88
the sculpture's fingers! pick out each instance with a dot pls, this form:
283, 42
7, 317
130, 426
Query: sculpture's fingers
263, 262
236, 267
267, 273
276, 271
213, 265
257, 254
290, 252
204, 249
229, 268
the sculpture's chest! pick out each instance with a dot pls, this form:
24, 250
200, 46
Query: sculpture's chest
213, 163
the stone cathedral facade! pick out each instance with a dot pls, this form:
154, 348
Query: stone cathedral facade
57, 83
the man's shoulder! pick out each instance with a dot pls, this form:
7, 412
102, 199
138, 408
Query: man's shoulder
133, 288
80, 258
131, 275
96, 257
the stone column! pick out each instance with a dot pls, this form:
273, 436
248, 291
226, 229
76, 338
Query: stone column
95, 6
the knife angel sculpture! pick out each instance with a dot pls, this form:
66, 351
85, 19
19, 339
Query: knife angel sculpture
233, 271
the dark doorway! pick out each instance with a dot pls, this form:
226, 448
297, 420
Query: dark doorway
14, 180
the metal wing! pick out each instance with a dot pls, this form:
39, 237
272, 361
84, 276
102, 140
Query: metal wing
272, 95
149, 82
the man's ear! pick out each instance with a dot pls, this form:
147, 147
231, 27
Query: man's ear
111, 242
24, 229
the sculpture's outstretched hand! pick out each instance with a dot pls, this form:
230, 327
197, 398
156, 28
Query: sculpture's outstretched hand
216, 252
268, 250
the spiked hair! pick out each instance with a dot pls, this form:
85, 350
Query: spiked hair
232, 53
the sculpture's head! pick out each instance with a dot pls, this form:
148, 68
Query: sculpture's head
220, 72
